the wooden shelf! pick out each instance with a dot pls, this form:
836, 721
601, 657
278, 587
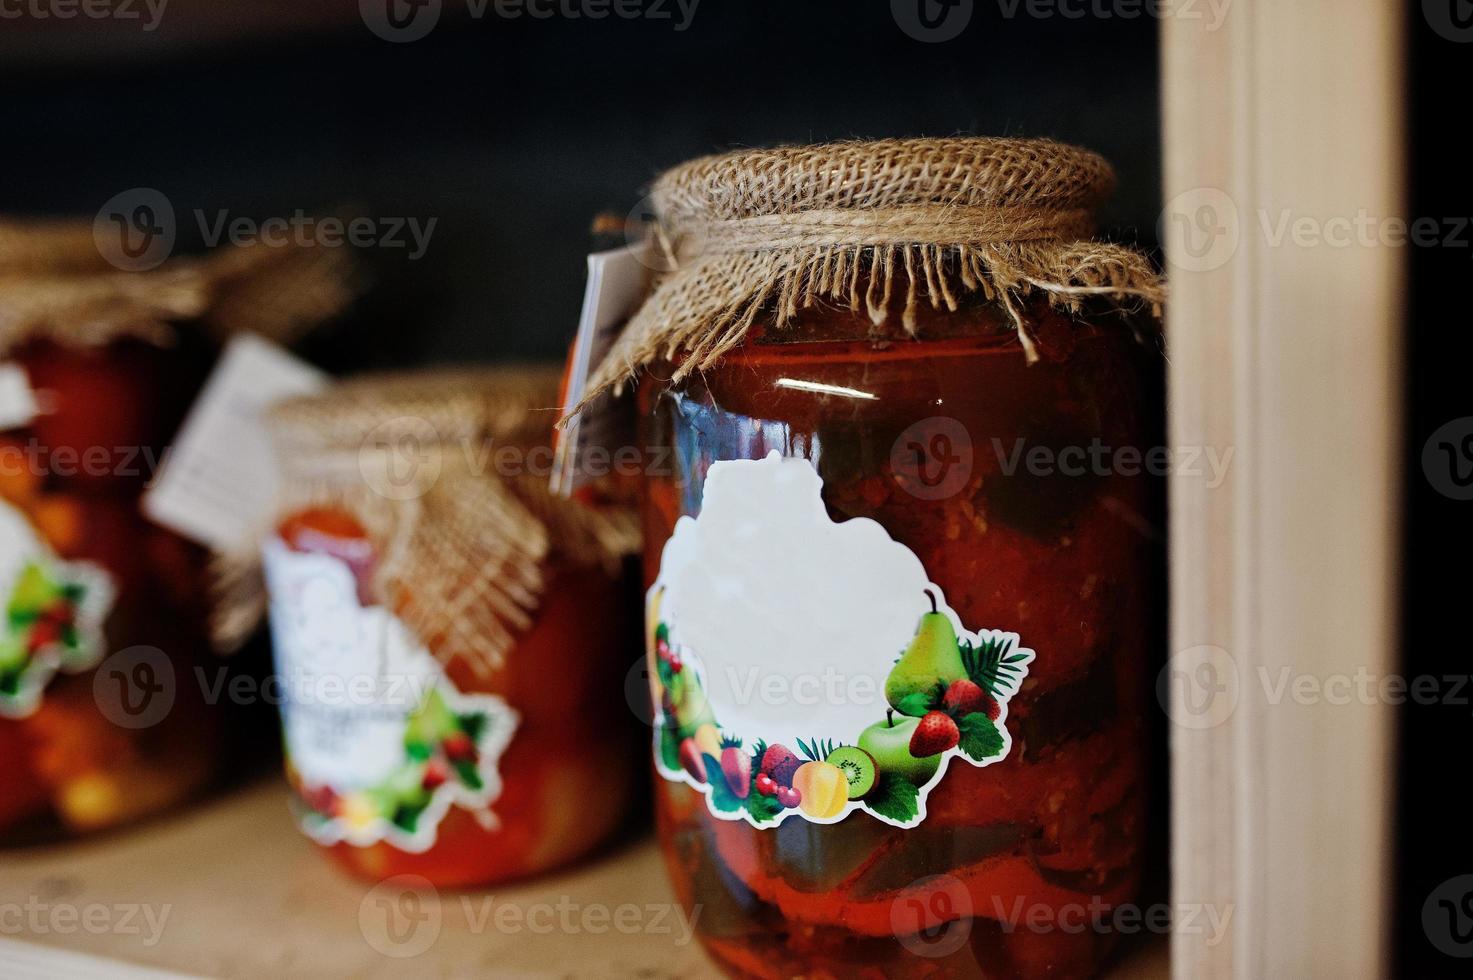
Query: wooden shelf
241, 893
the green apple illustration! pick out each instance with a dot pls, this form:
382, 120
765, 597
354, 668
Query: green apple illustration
932, 658
888, 742
431, 723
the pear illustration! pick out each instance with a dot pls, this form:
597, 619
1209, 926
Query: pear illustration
692, 710
932, 658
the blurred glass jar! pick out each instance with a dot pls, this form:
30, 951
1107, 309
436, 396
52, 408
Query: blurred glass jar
101, 718
447, 633
90, 406
899, 608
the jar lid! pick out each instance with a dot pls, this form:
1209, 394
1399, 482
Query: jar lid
874, 226
56, 284
447, 470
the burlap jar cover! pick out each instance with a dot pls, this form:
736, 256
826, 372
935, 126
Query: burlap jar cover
876, 227
447, 472
55, 284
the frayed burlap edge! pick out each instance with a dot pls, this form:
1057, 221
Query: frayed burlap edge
702, 311
879, 228
54, 285
462, 559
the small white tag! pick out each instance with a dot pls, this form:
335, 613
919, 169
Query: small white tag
618, 281
17, 401
218, 485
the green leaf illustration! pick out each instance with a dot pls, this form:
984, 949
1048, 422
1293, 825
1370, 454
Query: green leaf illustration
896, 799
980, 738
669, 748
723, 800
764, 809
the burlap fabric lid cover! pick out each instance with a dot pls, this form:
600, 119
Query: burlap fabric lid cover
55, 284
447, 471
878, 227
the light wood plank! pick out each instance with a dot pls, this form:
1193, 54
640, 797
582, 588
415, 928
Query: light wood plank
247, 896
1289, 354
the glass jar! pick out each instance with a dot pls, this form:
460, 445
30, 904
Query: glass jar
899, 568
470, 760
84, 575
110, 704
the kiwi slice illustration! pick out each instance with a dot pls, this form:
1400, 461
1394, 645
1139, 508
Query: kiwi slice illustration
858, 767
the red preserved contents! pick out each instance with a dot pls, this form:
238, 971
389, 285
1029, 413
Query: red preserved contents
75, 475
1068, 561
569, 771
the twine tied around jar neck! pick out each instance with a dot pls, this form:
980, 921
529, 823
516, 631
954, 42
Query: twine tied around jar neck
461, 534
871, 226
902, 225
56, 284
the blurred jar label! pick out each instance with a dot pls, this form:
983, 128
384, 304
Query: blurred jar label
54, 613
17, 400
810, 668
380, 743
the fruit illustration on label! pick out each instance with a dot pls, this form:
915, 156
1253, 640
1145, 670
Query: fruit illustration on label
692, 761
945, 695
736, 766
933, 658
691, 709
823, 790
963, 697
388, 766
762, 591
858, 767
708, 739
934, 734
779, 763
54, 612
888, 743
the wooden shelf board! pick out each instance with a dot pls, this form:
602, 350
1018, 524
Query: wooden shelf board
248, 896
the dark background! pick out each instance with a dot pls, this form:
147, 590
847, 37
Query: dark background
1433, 827
514, 133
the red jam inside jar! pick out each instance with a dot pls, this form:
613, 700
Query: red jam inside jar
1060, 546
84, 752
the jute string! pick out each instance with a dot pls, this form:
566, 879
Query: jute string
56, 285
462, 549
877, 228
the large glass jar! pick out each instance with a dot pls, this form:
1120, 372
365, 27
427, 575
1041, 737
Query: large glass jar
901, 544
466, 760
1061, 558
85, 576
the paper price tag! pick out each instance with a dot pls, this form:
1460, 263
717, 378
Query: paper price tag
17, 401
218, 486
618, 281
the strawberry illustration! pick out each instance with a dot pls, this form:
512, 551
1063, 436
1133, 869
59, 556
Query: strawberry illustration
690, 759
780, 763
435, 775
990, 706
459, 747
962, 698
736, 765
935, 734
